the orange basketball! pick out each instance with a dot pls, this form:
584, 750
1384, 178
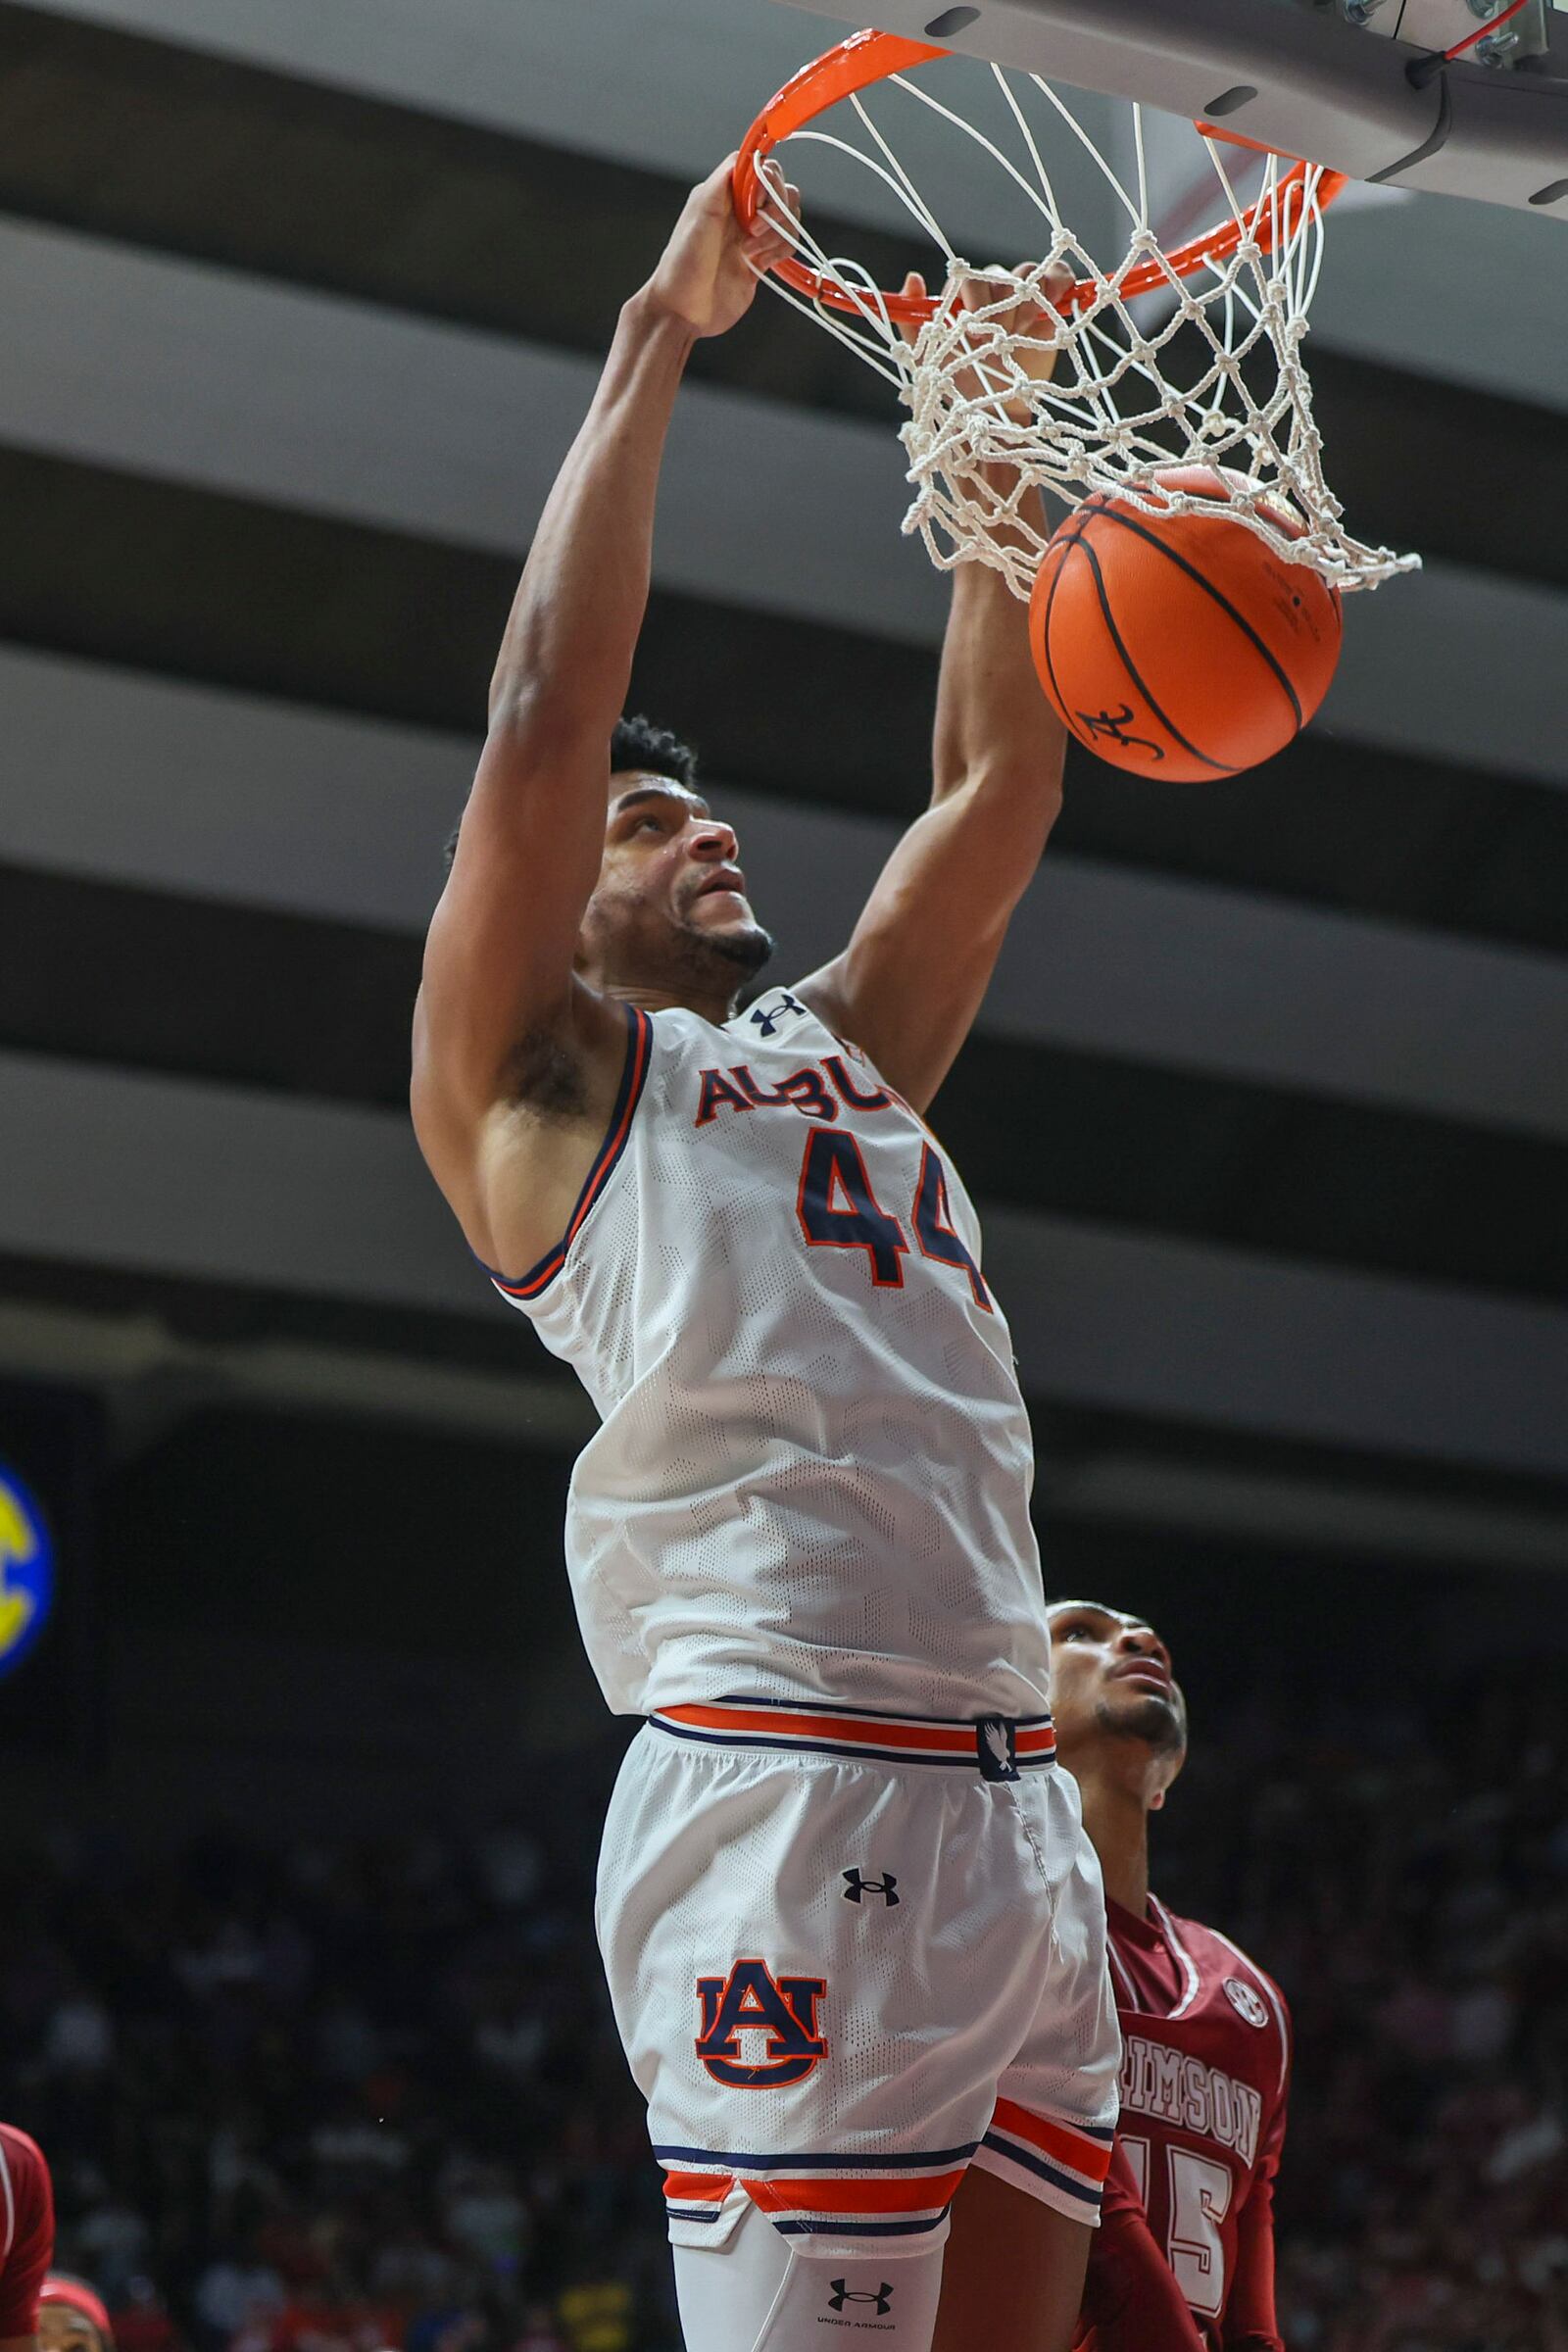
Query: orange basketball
1180, 646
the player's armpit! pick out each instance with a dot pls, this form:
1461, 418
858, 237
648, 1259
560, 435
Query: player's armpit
1131, 2300
908, 987
498, 958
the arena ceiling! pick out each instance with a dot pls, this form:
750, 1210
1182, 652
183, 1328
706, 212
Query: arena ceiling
1268, 1111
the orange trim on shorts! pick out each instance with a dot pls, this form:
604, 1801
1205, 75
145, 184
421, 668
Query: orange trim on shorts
920, 2195
923, 1738
698, 2189
1091, 2157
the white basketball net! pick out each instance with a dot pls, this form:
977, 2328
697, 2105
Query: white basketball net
1110, 416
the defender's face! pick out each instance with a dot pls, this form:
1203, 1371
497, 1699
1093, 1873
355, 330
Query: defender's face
1111, 1676
669, 861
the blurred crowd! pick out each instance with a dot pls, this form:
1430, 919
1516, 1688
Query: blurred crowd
1407, 1884
339, 2096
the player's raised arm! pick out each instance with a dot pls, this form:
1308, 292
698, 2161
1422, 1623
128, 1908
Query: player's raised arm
908, 987
498, 967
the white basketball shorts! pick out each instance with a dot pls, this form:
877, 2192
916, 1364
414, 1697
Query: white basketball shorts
849, 1955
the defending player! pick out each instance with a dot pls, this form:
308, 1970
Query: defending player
854, 1933
1183, 2261
26, 2236
73, 2317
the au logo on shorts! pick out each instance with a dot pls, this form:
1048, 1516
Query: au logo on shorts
750, 2000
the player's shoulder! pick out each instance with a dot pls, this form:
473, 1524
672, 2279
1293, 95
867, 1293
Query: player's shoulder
25, 2166
777, 1014
1251, 1990
778, 1017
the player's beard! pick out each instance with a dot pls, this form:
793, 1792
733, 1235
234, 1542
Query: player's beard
1154, 1721
711, 961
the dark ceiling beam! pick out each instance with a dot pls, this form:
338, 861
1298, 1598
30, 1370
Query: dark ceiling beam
269, 1192
151, 143
187, 988
188, 585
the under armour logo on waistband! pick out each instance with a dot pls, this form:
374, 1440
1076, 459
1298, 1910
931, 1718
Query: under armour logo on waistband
855, 1887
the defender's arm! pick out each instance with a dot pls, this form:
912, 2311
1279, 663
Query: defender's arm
1132, 2302
1251, 2321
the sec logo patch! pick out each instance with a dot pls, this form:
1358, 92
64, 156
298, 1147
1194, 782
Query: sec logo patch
1245, 2001
27, 1571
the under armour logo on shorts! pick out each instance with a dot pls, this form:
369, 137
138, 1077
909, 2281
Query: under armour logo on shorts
855, 1887
842, 2293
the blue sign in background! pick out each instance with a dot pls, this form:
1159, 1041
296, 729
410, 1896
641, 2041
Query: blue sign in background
26, 1570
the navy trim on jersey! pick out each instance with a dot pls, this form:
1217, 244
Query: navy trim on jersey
633, 1077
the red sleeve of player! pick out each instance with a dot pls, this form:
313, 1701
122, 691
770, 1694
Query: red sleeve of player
1250, 2322
27, 2231
1131, 2301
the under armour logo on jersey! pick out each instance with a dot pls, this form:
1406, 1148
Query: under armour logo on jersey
1245, 2003
750, 2000
842, 2293
996, 1749
855, 1887
767, 1016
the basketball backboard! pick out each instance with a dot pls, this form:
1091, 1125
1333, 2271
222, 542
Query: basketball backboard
1358, 85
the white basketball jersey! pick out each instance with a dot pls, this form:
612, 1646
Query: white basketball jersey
812, 1478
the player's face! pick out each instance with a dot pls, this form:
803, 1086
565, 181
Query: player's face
671, 902
1111, 1678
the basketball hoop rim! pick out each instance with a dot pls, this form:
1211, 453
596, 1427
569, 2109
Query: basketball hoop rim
869, 57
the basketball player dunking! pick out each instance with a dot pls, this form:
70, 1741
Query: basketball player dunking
1185, 2259
853, 1931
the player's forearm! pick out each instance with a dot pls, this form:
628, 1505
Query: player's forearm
993, 727
1130, 2294
1251, 2324
993, 721
567, 655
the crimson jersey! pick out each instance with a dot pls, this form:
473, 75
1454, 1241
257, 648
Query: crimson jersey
1185, 2261
27, 2231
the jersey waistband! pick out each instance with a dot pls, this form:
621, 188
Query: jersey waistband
997, 1746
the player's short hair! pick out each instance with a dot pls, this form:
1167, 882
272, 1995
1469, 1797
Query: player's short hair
636, 743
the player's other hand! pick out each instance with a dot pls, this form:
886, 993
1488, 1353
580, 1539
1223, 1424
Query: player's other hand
708, 274
1033, 321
